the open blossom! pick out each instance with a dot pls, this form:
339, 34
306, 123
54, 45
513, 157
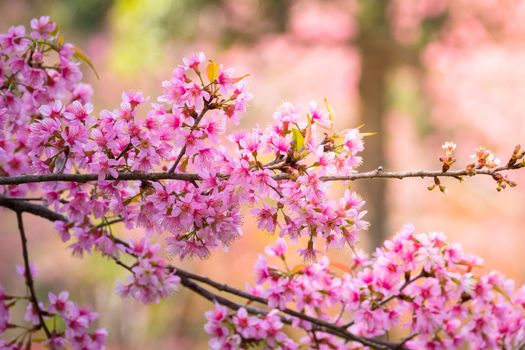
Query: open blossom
449, 147
278, 249
59, 303
43, 27
266, 218
485, 158
193, 61
21, 270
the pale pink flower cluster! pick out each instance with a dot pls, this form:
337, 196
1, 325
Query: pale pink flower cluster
27, 89
305, 149
78, 321
419, 281
238, 330
151, 279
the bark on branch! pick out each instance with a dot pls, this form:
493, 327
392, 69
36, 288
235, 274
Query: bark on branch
29, 276
155, 176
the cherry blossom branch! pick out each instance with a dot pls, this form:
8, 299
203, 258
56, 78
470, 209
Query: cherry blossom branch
319, 325
141, 176
322, 325
28, 275
188, 278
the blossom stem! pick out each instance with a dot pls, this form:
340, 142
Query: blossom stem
193, 128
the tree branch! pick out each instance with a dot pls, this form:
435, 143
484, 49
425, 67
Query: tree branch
126, 176
155, 176
380, 174
188, 278
29, 276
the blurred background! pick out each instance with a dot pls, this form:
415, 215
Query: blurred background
416, 72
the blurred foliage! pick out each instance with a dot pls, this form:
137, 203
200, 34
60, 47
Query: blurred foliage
79, 16
140, 27
85, 15
372, 18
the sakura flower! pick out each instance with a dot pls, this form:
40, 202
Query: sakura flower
59, 303
42, 27
194, 60
266, 218
278, 249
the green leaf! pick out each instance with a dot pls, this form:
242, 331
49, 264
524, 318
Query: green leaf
502, 292
79, 54
212, 71
298, 138
329, 110
298, 268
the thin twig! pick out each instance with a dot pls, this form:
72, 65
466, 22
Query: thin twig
400, 293
29, 276
205, 109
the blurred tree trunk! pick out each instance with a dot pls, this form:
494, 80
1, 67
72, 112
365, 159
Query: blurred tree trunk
378, 57
373, 90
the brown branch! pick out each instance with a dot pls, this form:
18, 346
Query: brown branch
29, 276
27, 207
317, 324
379, 174
126, 176
155, 176
188, 278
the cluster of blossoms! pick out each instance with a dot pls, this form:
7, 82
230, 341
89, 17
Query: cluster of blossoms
73, 330
300, 153
77, 320
151, 279
240, 330
50, 127
419, 281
